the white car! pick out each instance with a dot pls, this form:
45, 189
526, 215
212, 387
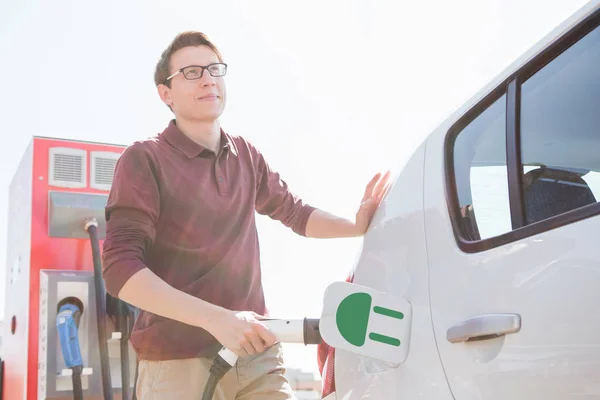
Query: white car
489, 232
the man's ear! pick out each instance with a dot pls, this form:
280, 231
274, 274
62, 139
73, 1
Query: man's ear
165, 94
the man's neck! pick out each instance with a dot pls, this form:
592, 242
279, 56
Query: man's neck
207, 134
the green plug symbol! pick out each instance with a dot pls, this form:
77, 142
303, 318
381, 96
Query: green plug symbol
352, 319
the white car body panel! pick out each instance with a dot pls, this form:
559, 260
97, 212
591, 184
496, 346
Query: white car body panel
394, 260
550, 279
410, 251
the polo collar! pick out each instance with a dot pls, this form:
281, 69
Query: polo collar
187, 146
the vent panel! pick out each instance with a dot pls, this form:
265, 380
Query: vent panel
67, 167
103, 169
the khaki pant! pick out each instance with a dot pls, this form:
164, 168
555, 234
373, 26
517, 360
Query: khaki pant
260, 376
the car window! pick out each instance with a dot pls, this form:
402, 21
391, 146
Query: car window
560, 132
481, 174
559, 136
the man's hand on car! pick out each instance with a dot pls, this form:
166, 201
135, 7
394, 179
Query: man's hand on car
374, 192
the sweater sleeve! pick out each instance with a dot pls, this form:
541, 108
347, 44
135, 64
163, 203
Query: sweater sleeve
275, 199
131, 212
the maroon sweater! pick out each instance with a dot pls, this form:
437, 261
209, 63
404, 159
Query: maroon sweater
188, 214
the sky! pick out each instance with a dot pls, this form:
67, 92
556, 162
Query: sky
330, 91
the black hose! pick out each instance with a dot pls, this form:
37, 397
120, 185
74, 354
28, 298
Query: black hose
135, 312
123, 318
1, 379
76, 379
218, 369
100, 312
211, 386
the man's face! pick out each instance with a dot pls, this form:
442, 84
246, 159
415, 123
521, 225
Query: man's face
200, 99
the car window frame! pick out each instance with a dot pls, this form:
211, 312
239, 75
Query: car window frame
511, 88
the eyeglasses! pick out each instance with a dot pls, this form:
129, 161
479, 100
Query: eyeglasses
192, 72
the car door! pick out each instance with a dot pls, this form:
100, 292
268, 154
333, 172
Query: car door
512, 229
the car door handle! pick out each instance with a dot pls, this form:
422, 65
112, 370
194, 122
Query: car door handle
482, 327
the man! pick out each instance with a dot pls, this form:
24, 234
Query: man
181, 241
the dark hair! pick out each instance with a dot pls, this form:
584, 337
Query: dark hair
184, 39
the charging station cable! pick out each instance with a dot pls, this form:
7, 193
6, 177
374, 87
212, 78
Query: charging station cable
134, 313
67, 325
286, 331
121, 314
91, 226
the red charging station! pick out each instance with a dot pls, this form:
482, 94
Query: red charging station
58, 185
